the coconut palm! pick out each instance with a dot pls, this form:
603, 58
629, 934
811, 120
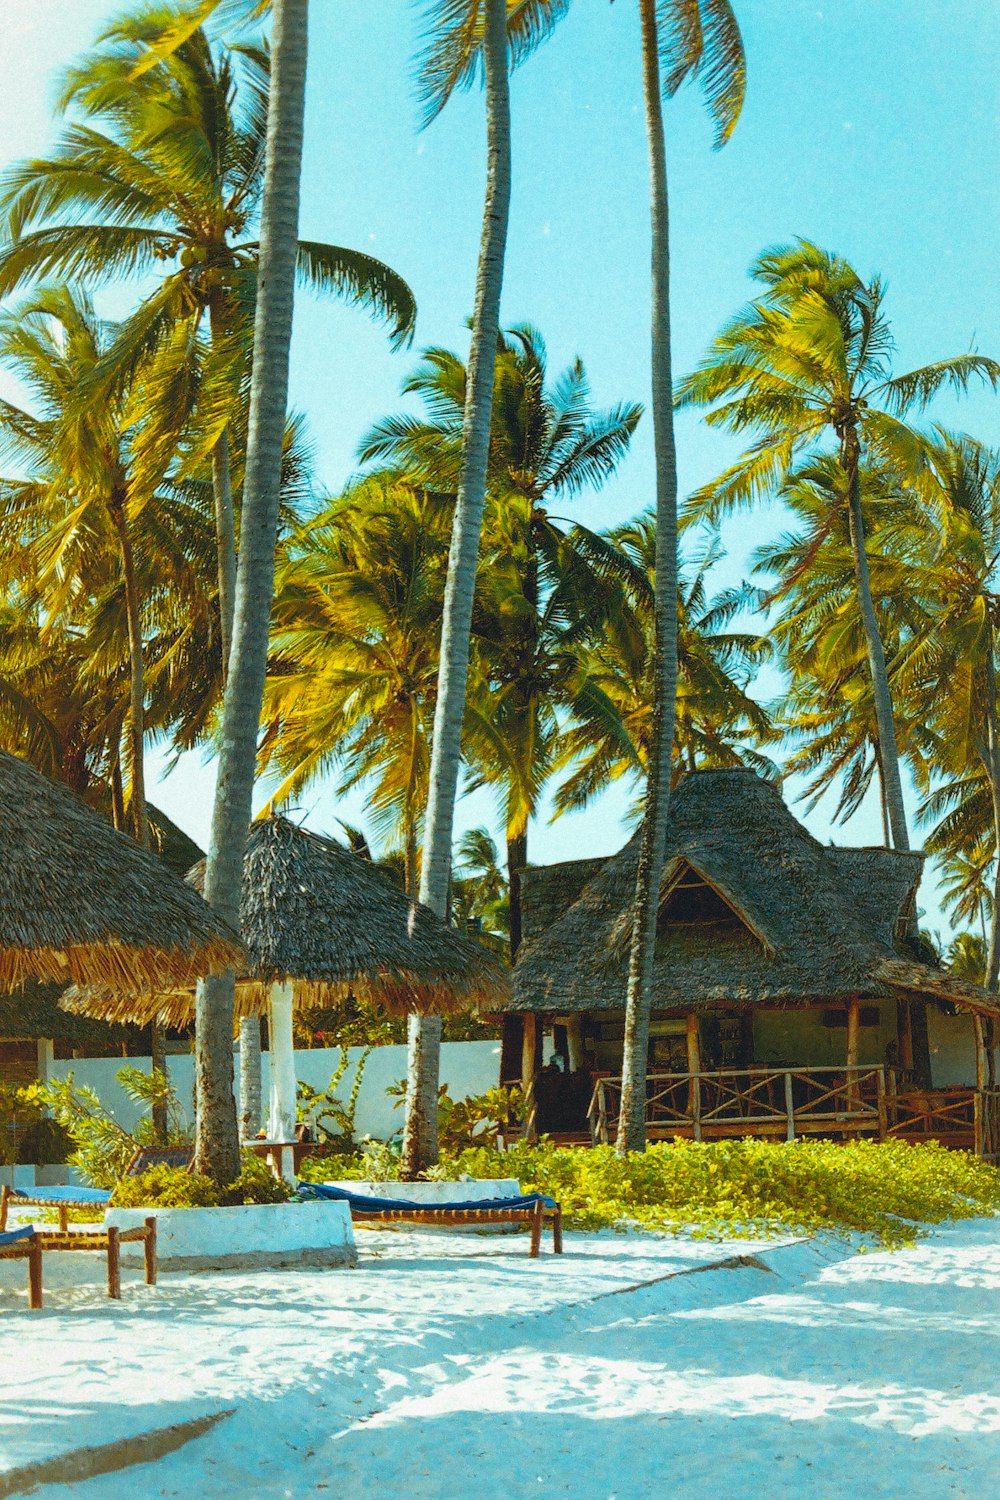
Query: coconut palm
805, 365
218, 1136
718, 723
162, 173
698, 40
462, 37
354, 653
536, 593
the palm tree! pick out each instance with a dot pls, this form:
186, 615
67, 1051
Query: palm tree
952, 668
718, 723
80, 502
807, 362
163, 174
464, 35
536, 593
354, 653
218, 1138
697, 39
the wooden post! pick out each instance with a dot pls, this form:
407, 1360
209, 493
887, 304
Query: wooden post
978, 1135
694, 1058
853, 1028
574, 1042
511, 1036
883, 1118
789, 1107
5, 1193
536, 1228
904, 1036
281, 1062
528, 1051
149, 1250
35, 1274
114, 1263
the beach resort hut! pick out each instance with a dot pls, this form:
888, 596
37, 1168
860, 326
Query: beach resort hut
81, 903
784, 982
318, 924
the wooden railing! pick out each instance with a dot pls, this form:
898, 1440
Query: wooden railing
789, 1102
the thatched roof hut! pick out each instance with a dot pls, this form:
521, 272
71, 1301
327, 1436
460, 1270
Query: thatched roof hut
82, 903
330, 924
754, 911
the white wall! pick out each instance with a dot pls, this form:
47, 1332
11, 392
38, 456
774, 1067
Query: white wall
466, 1067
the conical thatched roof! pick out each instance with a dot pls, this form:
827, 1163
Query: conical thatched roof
753, 911
82, 903
332, 924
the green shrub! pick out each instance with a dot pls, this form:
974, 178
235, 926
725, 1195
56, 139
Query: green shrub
103, 1147
730, 1187
174, 1187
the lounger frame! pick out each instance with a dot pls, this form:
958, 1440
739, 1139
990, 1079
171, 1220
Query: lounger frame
536, 1215
109, 1240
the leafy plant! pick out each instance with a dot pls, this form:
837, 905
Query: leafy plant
472, 1122
325, 1113
173, 1187
103, 1147
718, 1188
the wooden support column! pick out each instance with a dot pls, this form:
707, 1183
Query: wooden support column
511, 1043
529, 1048
694, 1069
978, 1133
574, 1042
853, 1031
904, 1035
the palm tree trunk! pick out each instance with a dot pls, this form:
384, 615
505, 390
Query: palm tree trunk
517, 858
217, 1151
992, 761
137, 735
888, 751
225, 519
420, 1131
653, 838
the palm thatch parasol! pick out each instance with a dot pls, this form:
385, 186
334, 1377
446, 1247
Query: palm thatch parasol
82, 903
327, 924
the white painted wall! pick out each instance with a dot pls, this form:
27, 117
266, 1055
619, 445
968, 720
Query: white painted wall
466, 1067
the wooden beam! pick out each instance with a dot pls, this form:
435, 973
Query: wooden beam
694, 1068
853, 1030
528, 1051
904, 1035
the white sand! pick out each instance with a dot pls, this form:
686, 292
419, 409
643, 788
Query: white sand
450, 1366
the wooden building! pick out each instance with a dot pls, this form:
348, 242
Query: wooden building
790, 996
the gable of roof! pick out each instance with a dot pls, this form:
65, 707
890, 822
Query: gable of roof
818, 922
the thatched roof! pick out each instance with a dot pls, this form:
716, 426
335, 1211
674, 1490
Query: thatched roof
332, 924
82, 903
754, 910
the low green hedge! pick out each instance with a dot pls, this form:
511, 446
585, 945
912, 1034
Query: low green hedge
725, 1188
174, 1187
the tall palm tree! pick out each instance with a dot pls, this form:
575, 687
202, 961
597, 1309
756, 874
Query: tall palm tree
218, 1137
807, 363
464, 36
354, 653
718, 723
81, 500
162, 173
681, 39
536, 593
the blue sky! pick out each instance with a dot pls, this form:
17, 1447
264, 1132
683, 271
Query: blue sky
871, 128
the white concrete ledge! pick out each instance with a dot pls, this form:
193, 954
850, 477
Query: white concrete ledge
252, 1235
433, 1194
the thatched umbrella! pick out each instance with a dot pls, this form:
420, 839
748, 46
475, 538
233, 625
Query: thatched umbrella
320, 923
82, 903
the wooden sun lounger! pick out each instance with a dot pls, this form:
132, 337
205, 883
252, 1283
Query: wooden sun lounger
25, 1245
15, 1198
535, 1215
31, 1247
